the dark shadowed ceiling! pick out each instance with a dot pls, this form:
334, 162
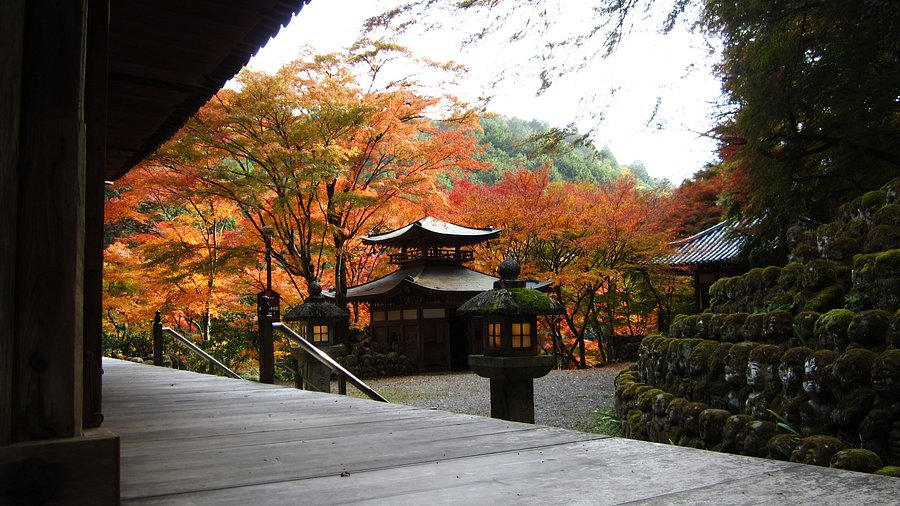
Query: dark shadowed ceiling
169, 57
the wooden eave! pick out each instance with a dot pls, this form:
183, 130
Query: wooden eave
169, 57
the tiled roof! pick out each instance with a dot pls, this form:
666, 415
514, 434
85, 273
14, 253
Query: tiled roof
721, 243
434, 278
435, 231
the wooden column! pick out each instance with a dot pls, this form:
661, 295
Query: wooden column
95, 115
49, 259
12, 22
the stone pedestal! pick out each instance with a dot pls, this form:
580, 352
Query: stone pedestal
512, 383
316, 375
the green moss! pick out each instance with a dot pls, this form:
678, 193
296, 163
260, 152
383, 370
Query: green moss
824, 300
872, 200
893, 471
888, 215
856, 459
819, 274
882, 238
790, 275
887, 264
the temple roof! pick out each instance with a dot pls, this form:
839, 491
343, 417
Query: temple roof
432, 231
721, 243
432, 278
168, 58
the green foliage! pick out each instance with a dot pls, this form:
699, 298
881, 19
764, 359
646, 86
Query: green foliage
813, 90
606, 422
512, 143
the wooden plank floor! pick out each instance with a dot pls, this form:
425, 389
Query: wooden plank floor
194, 439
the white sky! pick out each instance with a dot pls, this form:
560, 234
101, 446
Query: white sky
647, 67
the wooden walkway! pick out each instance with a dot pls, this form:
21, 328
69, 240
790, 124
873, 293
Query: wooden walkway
188, 439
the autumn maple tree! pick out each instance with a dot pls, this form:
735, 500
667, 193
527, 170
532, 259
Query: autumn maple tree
321, 156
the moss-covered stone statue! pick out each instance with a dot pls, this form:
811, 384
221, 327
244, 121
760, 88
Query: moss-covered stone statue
815, 415
675, 422
657, 428
817, 450
853, 393
856, 459
735, 432
757, 437
782, 446
716, 386
690, 434
712, 425
762, 380
831, 330
698, 368
879, 431
778, 328
869, 330
790, 373
736, 376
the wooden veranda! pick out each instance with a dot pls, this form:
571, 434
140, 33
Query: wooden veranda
188, 438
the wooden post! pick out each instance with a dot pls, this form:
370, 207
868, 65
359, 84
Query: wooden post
95, 115
268, 311
12, 16
157, 340
49, 260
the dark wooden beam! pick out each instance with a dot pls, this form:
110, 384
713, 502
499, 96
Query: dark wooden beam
95, 116
12, 16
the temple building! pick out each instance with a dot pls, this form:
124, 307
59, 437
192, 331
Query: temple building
413, 309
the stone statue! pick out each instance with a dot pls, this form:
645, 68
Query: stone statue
736, 376
879, 431
782, 446
735, 432
815, 415
778, 327
852, 387
790, 372
817, 450
698, 368
657, 428
690, 433
856, 459
712, 425
757, 437
761, 379
675, 422
716, 388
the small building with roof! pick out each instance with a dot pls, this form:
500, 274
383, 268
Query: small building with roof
413, 309
714, 253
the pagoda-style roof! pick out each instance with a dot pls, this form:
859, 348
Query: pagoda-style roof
454, 279
430, 231
721, 243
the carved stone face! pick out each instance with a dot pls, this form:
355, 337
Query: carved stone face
816, 372
791, 376
760, 374
886, 375
661, 404
736, 365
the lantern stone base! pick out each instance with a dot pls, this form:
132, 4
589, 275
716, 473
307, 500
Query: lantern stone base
512, 383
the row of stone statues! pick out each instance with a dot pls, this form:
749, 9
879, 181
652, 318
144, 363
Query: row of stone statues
854, 396
837, 329
652, 414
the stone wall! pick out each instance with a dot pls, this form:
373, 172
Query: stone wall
796, 363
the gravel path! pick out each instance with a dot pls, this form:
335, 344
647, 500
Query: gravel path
566, 399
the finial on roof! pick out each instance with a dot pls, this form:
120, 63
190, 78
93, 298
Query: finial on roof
315, 289
509, 269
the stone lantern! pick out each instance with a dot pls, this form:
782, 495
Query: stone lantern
325, 326
510, 359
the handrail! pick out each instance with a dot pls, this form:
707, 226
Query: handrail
196, 349
323, 358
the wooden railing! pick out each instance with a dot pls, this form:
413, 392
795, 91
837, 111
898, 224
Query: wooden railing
344, 375
159, 347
